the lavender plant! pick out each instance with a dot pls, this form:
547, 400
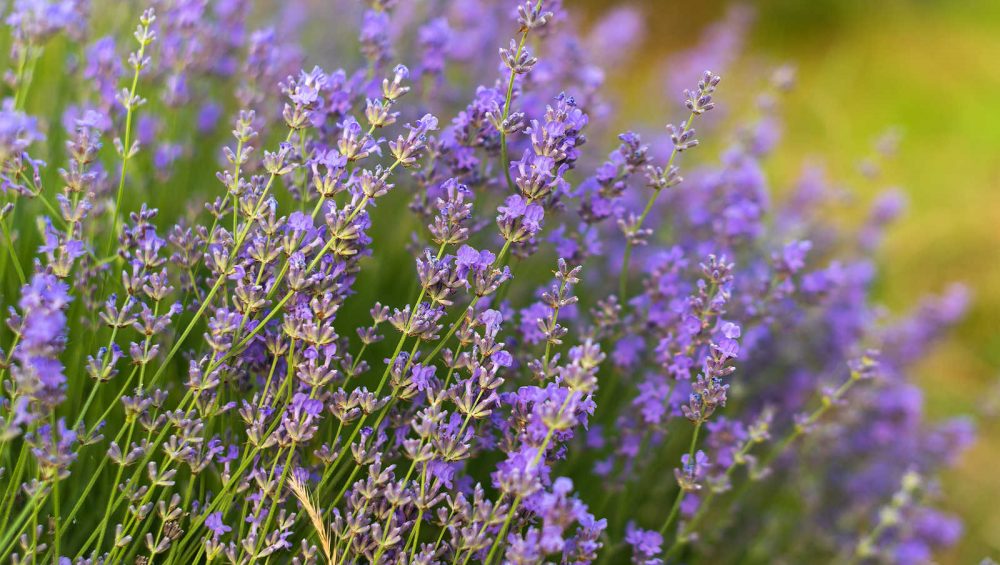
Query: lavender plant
403, 312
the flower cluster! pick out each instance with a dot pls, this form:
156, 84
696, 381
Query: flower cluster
409, 311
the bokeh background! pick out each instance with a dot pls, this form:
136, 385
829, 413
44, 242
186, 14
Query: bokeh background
931, 69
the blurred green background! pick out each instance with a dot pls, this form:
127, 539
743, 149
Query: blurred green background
931, 68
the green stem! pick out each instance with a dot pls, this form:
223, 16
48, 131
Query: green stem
499, 539
623, 277
504, 159
705, 504
9, 540
10, 495
274, 504
57, 519
109, 507
675, 508
127, 141
13, 255
461, 319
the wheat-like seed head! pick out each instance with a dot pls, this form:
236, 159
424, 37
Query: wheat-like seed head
301, 492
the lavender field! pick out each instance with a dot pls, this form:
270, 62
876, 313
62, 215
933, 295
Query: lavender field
499, 281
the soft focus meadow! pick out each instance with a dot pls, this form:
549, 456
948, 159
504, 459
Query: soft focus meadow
862, 68
499, 281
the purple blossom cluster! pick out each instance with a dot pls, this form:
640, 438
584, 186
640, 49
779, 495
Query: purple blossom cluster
411, 313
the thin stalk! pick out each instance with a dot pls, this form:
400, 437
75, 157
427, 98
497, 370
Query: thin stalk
127, 139
703, 507
461, 319
799, 429
504, 159
498, 540
675, 508
13, 254
56, 507
9, 539
109, 508
623, 278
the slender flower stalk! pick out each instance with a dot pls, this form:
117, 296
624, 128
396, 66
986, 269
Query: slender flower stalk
697, 102
131, 101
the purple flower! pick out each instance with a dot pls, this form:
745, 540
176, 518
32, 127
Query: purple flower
39, 372
645, 544
38, 20
728, 344
468, 259
214, 523
299, 222
514, 207
422, 376
793, 256
435, 38
375, 35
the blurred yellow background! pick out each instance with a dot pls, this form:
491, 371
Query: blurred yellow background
931, 68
